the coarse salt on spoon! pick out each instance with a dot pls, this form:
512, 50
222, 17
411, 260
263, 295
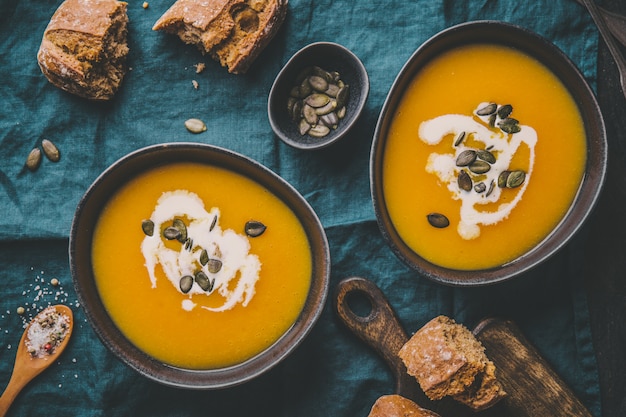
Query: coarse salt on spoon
43, 341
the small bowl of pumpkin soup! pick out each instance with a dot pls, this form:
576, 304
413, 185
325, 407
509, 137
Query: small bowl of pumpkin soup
488, 155
197, 266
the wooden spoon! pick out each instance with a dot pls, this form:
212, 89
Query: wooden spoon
28, 367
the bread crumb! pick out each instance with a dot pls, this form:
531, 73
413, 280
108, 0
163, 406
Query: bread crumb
195, 84
200, 66
145, 5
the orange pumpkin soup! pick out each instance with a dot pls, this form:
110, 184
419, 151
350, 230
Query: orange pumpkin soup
200, 267
483, 158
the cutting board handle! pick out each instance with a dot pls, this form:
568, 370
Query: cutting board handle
380, 328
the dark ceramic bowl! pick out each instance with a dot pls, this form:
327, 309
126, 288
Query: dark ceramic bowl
80, 244
331, 57
492, 32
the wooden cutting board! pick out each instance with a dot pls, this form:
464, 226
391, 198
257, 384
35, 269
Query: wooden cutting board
534, 389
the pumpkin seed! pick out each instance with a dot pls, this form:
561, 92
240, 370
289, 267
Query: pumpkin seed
505, 111
492, 120
50, 150
486, 156
204, 257
317, 100
195, 125
502, 178
213, 223
310, 115
171, 233
148, 227
479, 167
480, 187
303, 127
509, 125
319, 131
186, 283
254, 228
34, 159
459, 139
487, 110
515, 179
214, 265
465, 158
438, 220
318, 83
330, 119
492, 185
203, 281
329, 107
180, 225
464, 181
332, 90
342, 96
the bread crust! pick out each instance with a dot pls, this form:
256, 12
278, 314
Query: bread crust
83, 49
447, 360
234, 32
397, 406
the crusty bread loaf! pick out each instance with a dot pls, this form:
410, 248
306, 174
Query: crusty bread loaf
447, 360
233, 32
398, 406
84, 48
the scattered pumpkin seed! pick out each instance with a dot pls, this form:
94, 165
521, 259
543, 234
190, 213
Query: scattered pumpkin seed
502, 178
204, 257
486, 156
203, 281
464, 181
195, 125
180, 225
214, 266
186, 283
213, 223
509, 125
492, 185
515, 179
50, 150
480, 187
465, 158
459, 139
254, 228
487, 110
479, 167
171, 233
505, 111
148, 227
34, 159
438, 220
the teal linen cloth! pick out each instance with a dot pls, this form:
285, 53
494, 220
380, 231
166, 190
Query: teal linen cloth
331, 373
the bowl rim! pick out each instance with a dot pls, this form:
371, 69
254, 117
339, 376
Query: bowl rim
79, 250
561, 65
342, 131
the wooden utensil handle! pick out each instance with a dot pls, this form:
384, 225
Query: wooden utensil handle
380, 329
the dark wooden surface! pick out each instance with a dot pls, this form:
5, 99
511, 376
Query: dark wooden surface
606, 245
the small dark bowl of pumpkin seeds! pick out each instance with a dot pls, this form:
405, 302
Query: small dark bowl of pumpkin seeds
318, 96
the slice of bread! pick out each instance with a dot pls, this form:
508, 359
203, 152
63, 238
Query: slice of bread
447, 360
84, 48
234, 32
398, 406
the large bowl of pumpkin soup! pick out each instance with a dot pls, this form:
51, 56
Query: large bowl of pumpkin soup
488, 155
197, 266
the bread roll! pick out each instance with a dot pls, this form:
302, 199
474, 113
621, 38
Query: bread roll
84, 48
398, 406
233, 32
447, 360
